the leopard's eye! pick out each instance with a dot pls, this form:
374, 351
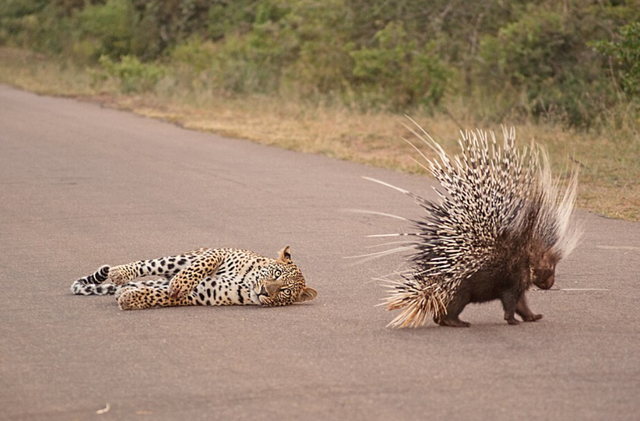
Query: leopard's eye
277, 273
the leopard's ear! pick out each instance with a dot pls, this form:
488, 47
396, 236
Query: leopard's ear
284, 255
307, 294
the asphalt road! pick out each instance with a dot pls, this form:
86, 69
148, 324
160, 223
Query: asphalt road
81, 186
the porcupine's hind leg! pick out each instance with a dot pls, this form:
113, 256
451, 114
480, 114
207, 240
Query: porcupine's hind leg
455, 307
166, 267
523, 310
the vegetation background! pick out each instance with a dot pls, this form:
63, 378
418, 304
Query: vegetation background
335, 76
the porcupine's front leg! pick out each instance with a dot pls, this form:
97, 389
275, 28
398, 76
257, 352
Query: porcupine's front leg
188, 278
509, 303
523, 310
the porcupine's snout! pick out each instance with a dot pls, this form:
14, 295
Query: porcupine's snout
544, 275
544, 279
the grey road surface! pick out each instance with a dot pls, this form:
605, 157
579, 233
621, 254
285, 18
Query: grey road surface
81, 186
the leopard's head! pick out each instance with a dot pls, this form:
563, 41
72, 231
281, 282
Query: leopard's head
283, 283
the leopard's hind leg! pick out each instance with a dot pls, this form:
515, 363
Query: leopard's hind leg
166, 267
138, 296
139, 284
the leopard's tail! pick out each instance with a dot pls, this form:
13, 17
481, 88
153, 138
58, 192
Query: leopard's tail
94, 284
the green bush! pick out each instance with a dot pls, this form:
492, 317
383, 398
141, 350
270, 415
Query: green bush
529, 59
110, 25
544, 57
400, 71
322, 65
16, 17
195, 54
257, 60
223, 19
134, 76
36, 25
625, 52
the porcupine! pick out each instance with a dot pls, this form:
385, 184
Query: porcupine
501, 225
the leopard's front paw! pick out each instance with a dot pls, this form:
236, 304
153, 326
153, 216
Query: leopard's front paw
120, 275
129, 299
177, 289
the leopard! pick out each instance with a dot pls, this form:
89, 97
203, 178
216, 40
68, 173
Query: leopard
205, 276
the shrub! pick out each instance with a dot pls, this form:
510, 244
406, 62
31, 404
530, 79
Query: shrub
625, 52
110, 25
134, 76
400, 71
544, 55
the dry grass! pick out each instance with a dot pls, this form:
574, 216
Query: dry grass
37, 73
610, 164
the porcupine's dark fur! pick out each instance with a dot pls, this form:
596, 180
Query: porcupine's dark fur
499, 227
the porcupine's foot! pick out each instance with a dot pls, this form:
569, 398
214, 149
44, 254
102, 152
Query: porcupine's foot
452, 322
509, 315
523, 310
510, 318
510, 301
454, 309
